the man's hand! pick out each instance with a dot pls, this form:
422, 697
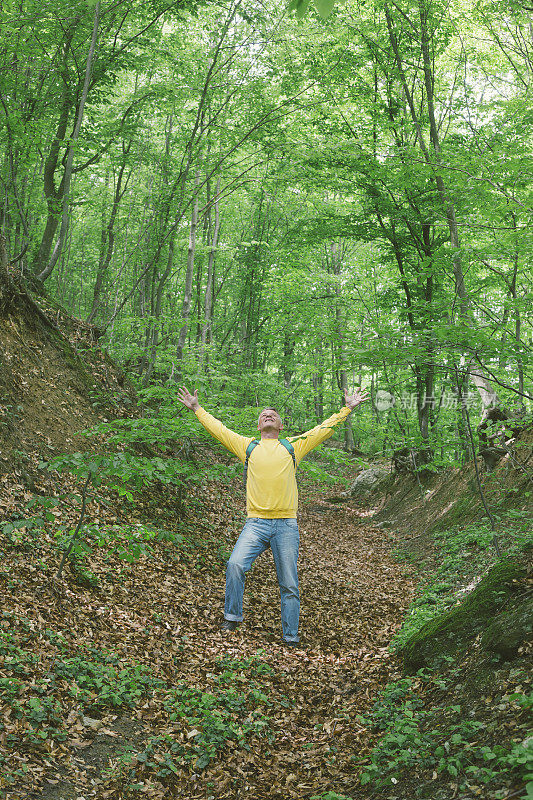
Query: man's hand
189, 400
353, 400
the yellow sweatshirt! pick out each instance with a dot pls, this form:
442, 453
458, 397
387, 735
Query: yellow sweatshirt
271, 490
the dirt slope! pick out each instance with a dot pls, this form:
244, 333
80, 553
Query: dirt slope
54, 382
453, 496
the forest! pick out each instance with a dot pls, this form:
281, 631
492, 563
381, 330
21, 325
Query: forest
282, 207
278, 205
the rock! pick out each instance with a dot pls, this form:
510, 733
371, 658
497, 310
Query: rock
368, 481
492, 455
456, 629
510, 629
93, 724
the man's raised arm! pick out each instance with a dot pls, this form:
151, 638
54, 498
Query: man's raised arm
233, 441
307, 441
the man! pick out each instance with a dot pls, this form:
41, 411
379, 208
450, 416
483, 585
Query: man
271, 503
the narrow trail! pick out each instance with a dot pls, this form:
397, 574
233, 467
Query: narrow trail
165, 612
353, 597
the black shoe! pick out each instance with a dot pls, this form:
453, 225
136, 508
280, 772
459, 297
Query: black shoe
229, 625
294, 645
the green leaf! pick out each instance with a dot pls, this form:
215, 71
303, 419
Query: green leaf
324, 7
301, 6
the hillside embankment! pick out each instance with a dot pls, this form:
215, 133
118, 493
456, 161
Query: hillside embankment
117, 683
453, 497
54, 382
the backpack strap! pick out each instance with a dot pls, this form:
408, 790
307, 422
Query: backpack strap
288, 446
253, 444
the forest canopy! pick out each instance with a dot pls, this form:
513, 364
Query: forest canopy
275, 203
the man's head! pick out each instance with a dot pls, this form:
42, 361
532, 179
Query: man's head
269, 422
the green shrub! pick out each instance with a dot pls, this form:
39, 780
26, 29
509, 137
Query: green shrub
99, 679
417, 739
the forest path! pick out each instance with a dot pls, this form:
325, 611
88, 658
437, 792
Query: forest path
164, 612
353, 596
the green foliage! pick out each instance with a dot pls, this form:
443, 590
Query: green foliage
464, 553
300, 7
334, 263
213, 719
326, 471
105, 401
42, 719
208, 721
160, 425
130, 542
96, 680
521, 757
26, 532
122, 472
440, 739
99, 679
232, 669
39, 713
15, 658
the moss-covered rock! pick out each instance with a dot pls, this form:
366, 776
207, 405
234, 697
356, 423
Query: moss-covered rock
455, 629
510, 629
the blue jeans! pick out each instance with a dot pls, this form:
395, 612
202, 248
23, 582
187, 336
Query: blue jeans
282, 536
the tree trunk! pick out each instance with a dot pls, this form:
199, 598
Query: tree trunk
108, 243
54, 196
318, 381
342, 378
67, 177
489, 396
5, 279
517, 319
209, 294
435, 160
187, 295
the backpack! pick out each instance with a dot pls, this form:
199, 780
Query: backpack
253, 444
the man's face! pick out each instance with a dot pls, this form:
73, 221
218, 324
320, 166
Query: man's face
269, 420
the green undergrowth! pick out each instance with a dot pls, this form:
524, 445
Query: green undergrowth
458, 726
98, 550
462, 555
329, 465
200, 724
125, 542
432, 744
41, 697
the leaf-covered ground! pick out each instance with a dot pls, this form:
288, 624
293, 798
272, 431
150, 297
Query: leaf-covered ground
130, 683
115, 681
